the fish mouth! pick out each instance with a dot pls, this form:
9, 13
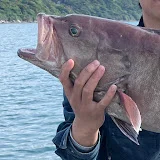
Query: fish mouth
43, 33
27, 54
48, 45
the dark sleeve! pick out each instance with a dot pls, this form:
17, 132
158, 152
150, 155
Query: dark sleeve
64, 146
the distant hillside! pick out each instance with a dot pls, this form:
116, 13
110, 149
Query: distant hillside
26, 10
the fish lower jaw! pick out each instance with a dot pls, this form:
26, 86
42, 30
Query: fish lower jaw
29, 50
27, 54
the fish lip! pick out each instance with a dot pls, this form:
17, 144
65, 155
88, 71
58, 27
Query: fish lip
40, 20
27, 54
46, 36
43, 28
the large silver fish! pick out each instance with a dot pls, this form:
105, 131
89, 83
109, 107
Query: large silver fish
131, 56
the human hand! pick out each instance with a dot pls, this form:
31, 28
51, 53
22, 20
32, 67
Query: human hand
89, 115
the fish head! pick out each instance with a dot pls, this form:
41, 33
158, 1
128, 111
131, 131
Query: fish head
48, 53
62, 38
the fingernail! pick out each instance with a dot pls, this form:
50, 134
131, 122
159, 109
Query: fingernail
96, 62
70, 61
102, 68
113, 87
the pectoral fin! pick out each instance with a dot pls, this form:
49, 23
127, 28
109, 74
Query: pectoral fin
132, 111
127, 129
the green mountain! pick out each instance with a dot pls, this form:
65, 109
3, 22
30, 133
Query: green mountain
26, 10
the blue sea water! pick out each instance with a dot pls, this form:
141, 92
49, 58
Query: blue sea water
30, 99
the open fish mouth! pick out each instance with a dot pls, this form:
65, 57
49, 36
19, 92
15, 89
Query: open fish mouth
46, 43
48, 53
31, 54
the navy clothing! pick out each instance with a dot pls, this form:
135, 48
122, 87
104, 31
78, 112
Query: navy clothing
112, 144
141, 23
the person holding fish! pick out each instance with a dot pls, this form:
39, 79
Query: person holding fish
89, 133
113, 96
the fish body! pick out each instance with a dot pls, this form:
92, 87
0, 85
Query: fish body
130, 54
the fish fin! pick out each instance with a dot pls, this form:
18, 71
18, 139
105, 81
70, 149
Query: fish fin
132, 111
127, 129
156, 31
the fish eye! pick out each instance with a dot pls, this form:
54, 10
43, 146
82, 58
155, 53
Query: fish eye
74, 31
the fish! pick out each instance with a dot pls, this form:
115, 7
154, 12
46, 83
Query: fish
130, 54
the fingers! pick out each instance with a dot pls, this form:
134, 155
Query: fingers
85, 83
108, 97
64, 77
91, 84
83, 78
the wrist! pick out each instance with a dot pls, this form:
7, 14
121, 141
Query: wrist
83, 135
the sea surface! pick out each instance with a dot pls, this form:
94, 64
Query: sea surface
30, 99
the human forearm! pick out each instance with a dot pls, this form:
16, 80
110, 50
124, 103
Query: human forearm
83, 135
67, 149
